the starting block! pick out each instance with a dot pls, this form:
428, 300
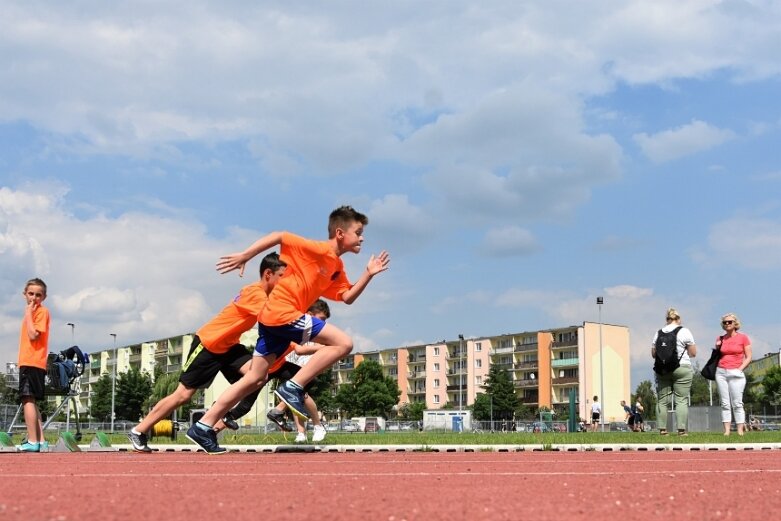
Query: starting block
65, 443
101, 443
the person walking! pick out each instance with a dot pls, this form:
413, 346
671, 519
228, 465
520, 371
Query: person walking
730, 379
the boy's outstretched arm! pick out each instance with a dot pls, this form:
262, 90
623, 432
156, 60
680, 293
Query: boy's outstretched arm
239, 260
376, 265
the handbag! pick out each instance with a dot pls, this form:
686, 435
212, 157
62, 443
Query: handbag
709, 371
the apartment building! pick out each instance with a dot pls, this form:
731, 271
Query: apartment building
545, 367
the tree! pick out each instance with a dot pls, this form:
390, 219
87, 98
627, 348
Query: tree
647, 396
700, 391
501, 391
100, 407
132, 390
369, 393
322, 392
8, 395
771, 386
164, 385
412, 411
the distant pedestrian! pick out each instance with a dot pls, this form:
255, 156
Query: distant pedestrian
596, 413
629, 415
730, 379
639, 410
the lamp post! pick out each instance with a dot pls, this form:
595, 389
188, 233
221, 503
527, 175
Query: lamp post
113, 381
73, 326
461, 366
600, 301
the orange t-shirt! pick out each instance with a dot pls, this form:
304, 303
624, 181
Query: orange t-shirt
313, 271
33, 353
226, 328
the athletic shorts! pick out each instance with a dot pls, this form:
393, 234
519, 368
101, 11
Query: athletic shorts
202, 365
31, 382
288, 371
274, 340
594, 416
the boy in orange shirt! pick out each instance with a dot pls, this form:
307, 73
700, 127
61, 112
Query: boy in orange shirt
33, 351
216, 348
315, 269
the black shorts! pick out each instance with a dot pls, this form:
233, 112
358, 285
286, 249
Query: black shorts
288, 371
594, 416
31, 382
202, 365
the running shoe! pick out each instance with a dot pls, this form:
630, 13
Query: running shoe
278, 418
319, 434
206, 439
29, 447
139, 442
301, 437
293, 398
230, 422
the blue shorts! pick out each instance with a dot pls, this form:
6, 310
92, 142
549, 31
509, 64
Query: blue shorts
275, 339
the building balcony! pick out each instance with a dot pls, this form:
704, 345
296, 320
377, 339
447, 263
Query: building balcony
527, 365
416, 374
565, 343
564, 362
565, 380
526, 382
416, 391
525, 347
501, 350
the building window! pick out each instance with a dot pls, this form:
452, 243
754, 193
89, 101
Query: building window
436, 351
436, 398
478, 363
478, 380
436, 383
436, 366
478, 347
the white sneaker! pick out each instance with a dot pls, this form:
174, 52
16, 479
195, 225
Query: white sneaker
319, 434
301, 437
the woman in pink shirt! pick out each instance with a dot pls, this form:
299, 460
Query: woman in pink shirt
730, 380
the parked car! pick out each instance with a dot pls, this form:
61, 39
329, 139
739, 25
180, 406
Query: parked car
350, 427
393, 427
540, 427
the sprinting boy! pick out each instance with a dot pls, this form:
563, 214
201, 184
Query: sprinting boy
216, 348
315, 269
33, 351
282, 370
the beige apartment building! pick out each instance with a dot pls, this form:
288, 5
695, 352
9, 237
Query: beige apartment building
545, 367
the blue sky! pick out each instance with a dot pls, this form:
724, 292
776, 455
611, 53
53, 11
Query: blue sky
517, 159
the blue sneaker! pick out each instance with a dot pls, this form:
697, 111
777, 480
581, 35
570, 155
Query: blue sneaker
293, 398
44, 447
29, 447
206, 439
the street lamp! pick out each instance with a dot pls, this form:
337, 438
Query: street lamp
73, 326
461, 366
113, 381
600, 301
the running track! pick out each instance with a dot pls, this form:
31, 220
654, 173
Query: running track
427, 486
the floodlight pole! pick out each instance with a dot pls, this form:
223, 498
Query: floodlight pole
73, 326
113, 381
600, 301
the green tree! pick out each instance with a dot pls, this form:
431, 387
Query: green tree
647, 395
164, 385
499, 387
369, 393
323, 393
132, 390
100, 407
8, 396
412, 411
700, 392
771, 386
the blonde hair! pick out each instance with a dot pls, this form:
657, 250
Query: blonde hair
672, 314
735, 320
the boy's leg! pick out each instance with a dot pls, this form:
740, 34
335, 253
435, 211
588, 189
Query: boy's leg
250, 382
31, 419
165, 407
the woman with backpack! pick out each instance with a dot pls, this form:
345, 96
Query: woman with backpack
672, 349
735, 356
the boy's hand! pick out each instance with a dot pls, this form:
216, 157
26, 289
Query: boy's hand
234, 261
379, 263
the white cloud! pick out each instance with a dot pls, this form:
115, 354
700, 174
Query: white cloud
682, 141
397, 225
509, 241
753, 243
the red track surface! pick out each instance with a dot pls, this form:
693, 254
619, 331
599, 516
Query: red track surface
391, 486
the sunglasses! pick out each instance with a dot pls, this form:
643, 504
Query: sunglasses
33, 294
726, 322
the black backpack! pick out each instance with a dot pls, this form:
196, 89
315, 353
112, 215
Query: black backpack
667, 359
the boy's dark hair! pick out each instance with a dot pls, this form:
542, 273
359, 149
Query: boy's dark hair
271, 262
342, 217
36, 282
320, 306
